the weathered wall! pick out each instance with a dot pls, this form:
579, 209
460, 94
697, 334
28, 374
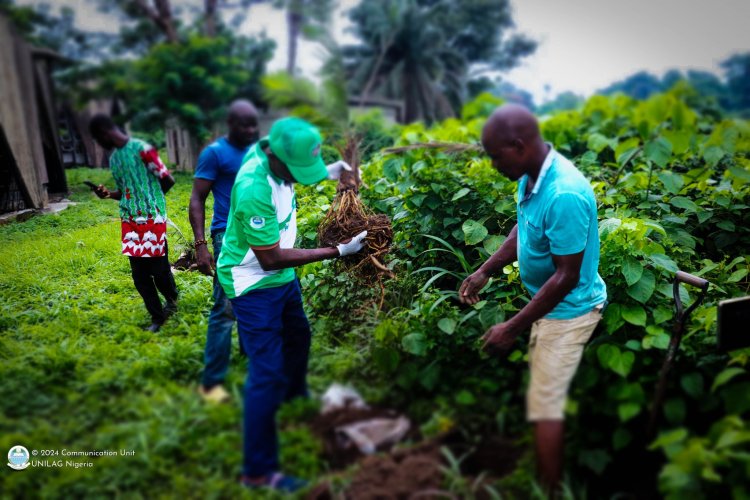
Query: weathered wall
19, 113
182, 150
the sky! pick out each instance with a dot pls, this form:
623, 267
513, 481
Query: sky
584, 45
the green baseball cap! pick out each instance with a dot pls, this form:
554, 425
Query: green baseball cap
297, 143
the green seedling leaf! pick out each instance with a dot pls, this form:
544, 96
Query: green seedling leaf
632, 270
725, 376
658, 151
460, 194
672, 181
692, 383
661, 261
474, 232
414, 343
493, 243
448, 325
713, 155
635, 315
643, 290
684, 203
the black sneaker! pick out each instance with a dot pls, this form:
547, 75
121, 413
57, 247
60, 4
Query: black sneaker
153, 327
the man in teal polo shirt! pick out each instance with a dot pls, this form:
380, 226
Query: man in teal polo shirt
256, 270
556, 243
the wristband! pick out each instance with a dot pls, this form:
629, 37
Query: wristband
200, 242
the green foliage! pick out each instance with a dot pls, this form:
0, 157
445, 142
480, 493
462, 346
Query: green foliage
302, 98
421, 51
671, 183
79, 373
672, 187
193, 81
326, 106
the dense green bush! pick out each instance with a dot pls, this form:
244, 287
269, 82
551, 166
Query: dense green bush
672, 188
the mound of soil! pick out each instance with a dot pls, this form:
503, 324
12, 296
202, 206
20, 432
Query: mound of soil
325, 426
403, 474
406, 473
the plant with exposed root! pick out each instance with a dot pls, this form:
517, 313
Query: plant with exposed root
348, 216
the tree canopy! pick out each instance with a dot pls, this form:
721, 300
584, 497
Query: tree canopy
426, 51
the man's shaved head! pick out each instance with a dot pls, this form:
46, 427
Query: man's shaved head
511, 138
509, 122
242, 120
241, 107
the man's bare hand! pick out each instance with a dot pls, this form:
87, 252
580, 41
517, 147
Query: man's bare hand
499, 338
204, 260
101, 191
469, 291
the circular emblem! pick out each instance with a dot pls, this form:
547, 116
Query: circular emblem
18, 457
257, 222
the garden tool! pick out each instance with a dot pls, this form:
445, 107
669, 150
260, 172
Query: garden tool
678, 328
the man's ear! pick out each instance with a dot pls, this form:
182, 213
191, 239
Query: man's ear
519, 146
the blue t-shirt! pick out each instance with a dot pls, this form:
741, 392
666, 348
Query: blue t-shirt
559, 217
219, 163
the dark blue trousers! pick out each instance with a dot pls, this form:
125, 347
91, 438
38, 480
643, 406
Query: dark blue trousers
275, 334
219, 334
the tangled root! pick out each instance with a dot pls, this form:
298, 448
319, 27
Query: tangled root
348, 217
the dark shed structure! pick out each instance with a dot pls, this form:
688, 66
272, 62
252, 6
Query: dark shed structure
31, 166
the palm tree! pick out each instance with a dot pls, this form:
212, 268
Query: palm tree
425, 52
308, 18
405, 56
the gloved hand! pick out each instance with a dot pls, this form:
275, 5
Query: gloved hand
355, 245
335, 169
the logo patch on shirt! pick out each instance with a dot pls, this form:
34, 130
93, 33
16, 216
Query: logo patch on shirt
257, 222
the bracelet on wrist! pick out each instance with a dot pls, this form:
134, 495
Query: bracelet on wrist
200, 242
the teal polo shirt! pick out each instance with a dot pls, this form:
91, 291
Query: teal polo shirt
558, 217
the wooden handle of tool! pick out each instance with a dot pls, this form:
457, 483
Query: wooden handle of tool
684, 277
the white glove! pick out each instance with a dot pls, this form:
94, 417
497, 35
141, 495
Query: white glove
335, 169
353, 246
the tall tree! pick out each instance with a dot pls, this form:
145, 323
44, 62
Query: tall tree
193, 81
423, 51
304, 18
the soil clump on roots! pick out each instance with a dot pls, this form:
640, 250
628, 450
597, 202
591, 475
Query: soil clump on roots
348, 216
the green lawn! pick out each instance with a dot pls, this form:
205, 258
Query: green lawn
78, 373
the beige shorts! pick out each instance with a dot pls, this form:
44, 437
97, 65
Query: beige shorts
555, 350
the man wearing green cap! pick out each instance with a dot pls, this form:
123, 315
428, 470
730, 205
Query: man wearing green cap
256, 270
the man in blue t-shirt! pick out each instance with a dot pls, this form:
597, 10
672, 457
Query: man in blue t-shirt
217, 167
556, 244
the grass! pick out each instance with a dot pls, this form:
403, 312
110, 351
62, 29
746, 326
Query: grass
78, 373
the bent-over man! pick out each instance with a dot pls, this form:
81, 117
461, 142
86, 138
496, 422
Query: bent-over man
556, 244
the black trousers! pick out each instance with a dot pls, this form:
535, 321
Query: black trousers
149, 275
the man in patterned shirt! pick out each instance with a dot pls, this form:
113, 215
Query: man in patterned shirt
141, 179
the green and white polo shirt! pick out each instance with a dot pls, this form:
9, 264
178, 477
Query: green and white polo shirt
262, 212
